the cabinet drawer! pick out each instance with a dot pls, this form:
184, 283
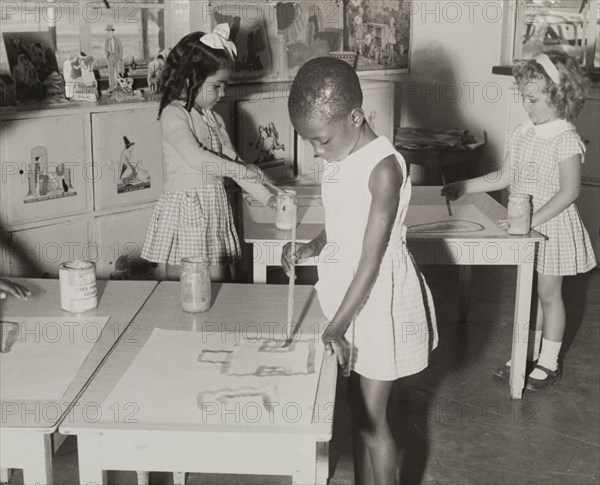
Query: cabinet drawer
46, 171
120, 234
127, 152
39, 251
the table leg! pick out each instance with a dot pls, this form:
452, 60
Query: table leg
260, 263
38, 468
143, 478
521, 329
322, 462
179, 478
5, 474
90, 460
306, 467
464, 284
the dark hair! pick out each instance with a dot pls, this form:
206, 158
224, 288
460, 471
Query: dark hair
187, 66
325, 88
568, 96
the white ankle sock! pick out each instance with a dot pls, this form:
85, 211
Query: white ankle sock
533, 348
548, 358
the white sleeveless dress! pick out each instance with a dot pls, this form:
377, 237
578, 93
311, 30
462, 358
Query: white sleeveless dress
394, 331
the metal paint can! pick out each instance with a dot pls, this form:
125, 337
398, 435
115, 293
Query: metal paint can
78, 286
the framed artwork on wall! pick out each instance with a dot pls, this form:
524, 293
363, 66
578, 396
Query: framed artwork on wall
33, 65
274, 39
379, 31
265, 137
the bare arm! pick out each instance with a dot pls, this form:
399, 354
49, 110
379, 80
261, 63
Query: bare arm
570, 185
490, 182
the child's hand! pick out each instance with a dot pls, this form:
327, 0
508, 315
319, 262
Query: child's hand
254, 174
337, 345
503, 224
454, 191
15, 289
303, 252
272, 202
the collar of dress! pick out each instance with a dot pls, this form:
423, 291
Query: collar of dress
552, 128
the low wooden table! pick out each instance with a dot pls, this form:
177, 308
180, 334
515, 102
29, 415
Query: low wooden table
27, 427
464, 249
245, 311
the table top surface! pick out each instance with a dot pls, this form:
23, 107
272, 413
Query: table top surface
493, 211
248, 310
45, 302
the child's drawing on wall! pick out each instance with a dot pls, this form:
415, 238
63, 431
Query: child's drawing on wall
46, 180
268, 143
249, 34
379, 31
131, 174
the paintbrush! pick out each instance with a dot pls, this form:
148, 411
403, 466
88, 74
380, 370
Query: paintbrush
447, 199
292, 276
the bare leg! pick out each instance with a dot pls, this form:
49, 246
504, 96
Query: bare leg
552, 306
220, 274
375, 451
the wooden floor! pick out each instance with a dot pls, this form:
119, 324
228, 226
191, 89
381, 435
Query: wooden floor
453, 422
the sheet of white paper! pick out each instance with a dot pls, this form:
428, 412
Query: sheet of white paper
187, 378
46, 356
462, 217
310, 210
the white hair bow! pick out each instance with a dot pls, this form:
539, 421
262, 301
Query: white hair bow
544, 61
219, 39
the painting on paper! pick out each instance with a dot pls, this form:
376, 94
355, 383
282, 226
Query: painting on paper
308, 30
33, 65
47, 179
265, 135
248, 26
379, 32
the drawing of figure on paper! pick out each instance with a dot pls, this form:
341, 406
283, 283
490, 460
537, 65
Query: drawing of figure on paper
47, 181
268, 143
131, 174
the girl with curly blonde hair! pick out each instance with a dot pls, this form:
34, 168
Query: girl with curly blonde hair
544, 161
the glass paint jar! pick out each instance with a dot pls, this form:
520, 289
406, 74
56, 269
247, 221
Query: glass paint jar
195, 285
519, 214
286, 210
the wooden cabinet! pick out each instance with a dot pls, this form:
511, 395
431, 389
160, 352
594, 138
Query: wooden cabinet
82, 181
127, 154
120, 234
46, 169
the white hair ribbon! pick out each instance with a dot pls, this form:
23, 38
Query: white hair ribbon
544, 61
219, 39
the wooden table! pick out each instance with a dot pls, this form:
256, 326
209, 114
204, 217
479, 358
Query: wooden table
27, 427
499, 248
133, 444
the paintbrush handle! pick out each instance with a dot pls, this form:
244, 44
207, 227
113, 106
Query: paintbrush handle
290, 313
447, 199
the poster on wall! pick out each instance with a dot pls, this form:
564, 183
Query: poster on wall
379, 32
47, 180
274, 39
265, 136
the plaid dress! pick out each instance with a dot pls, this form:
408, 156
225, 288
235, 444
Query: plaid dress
535, 152
394, 331
194, 222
